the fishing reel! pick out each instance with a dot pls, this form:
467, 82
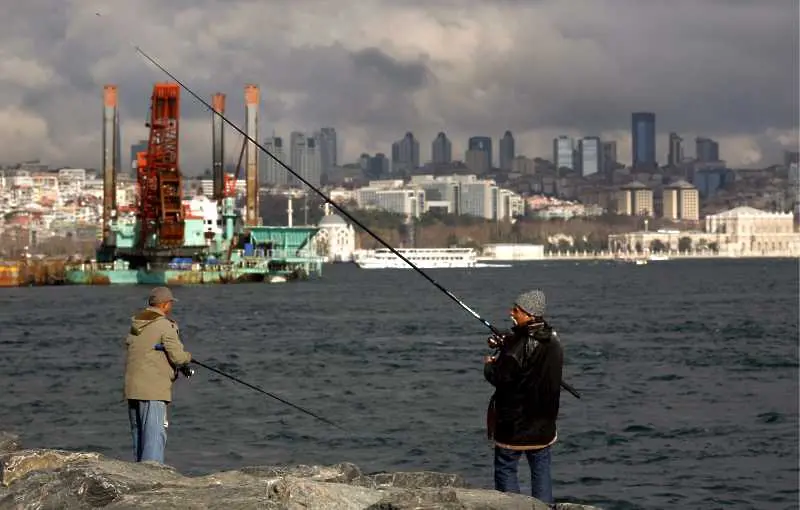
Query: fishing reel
186, 370
496, 341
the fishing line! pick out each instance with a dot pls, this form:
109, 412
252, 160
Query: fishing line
436, 284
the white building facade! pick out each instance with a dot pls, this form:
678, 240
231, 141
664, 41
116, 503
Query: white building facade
336, 240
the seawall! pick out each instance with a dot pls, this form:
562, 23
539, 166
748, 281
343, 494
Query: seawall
46, 478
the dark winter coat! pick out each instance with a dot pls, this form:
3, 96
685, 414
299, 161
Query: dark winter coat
527, 380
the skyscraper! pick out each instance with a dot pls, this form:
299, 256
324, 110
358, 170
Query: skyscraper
305, 160
327, 144
274, 173
313, 164
563, 152
675, 150
506, 150
482, 143
405, 154
609, 156
477, 161
590, 154
441, 149
706, 150
643, 133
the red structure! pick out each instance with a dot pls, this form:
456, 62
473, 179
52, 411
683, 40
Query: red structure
160, 210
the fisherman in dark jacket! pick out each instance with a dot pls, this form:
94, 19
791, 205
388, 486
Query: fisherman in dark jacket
526, 374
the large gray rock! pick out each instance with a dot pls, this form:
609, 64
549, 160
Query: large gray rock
55, 479
8, 443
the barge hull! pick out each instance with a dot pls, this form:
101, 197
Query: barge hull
172, 277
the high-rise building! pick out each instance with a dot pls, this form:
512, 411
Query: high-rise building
481, 143
477, 161
675, 150
313, 167
506, 150
297, 151
274, 173
441, 149
327, 144
305, 159
706, 150
643, 133
564, 152
375, 167
680, 201
405, 154
590, 155
609, 156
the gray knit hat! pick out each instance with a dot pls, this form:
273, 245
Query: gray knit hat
532, 302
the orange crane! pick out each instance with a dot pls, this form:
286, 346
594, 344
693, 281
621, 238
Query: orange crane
160, 209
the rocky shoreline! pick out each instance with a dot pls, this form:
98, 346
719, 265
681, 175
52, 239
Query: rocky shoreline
67, 480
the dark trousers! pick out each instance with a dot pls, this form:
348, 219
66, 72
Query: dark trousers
505, 472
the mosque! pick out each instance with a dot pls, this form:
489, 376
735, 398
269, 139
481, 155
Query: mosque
336, 239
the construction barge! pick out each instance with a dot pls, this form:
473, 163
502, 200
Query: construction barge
168, 240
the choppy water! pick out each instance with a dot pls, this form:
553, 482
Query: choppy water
689, 371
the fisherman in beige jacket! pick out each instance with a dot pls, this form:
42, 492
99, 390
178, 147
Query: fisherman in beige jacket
154, 357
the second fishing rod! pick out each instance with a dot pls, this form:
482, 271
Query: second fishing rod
327, 199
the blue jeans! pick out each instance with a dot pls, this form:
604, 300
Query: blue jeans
505, 472
148, 428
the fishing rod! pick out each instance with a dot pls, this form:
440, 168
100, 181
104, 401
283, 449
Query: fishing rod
463, 305
160, 347
272, 395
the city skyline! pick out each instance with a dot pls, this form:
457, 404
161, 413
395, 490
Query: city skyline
408, 68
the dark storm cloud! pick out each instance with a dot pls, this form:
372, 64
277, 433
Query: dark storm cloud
374, 70
396, 74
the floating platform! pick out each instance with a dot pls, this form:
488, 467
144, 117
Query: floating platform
269, 255
245, 270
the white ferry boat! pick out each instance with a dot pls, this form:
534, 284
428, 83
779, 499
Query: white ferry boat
423, 258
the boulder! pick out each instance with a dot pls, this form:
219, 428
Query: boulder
8, 443
45, 479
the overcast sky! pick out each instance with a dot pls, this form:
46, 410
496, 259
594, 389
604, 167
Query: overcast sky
375, 69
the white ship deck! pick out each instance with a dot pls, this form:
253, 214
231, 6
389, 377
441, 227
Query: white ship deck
423, 258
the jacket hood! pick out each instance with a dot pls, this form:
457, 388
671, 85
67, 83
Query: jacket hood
144, 318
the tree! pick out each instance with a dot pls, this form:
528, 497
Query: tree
685, 244
657, 246
714, 247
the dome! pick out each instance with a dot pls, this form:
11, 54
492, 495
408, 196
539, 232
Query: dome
680, 184
332, 220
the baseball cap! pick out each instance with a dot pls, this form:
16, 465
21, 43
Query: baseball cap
160, 295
